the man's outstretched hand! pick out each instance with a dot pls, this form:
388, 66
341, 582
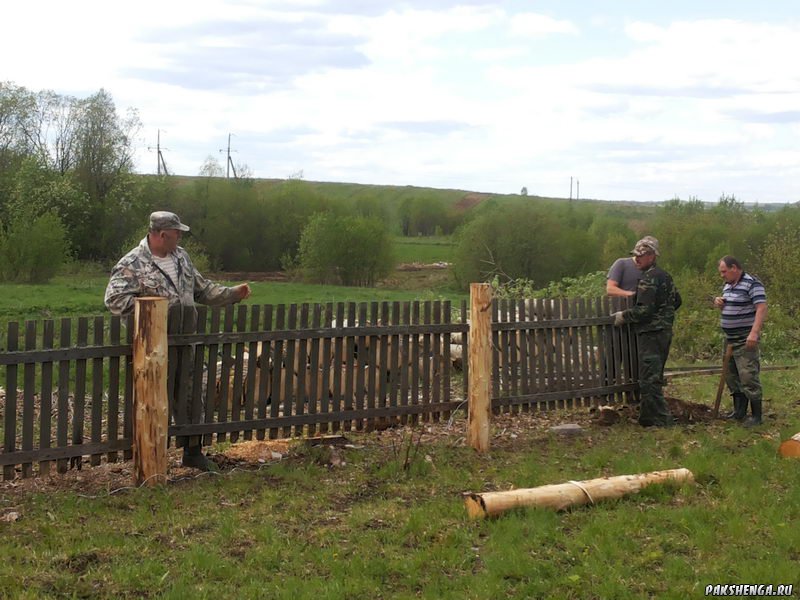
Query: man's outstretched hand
242, 291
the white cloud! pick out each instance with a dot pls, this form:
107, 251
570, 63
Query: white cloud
433, 93
532, 24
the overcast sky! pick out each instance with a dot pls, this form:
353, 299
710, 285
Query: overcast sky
636, 99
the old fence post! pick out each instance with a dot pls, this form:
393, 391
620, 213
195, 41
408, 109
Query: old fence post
150, 401
480, 365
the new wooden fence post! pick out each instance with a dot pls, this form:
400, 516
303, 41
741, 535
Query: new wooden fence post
150, 401
480, 365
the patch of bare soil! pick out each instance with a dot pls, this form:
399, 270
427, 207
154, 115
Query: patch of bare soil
111, 478
469, 201
689, 412
418, 266
418, 279
683, 412
248, 276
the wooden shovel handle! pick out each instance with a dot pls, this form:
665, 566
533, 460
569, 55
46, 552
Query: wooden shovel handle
725, 361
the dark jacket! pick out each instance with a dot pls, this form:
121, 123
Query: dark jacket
657, 299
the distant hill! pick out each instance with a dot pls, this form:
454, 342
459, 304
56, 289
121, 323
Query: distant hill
461, 200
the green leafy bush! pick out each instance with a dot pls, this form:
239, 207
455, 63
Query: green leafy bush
243, 227
33, 249
345, 250
780, 267
538, 242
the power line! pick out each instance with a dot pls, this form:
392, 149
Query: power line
578, 186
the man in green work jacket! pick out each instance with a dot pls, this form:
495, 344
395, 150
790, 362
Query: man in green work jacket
657, 299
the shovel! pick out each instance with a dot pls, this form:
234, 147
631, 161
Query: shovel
725, 361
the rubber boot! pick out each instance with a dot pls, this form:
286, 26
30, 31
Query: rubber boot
739, 407
193, 457
735, 411
756, 418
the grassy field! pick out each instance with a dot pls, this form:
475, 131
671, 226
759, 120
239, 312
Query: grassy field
69, 296
387, 520
423, 250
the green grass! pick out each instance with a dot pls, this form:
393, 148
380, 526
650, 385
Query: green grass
64, 297
80, 296
370, 529
423, 249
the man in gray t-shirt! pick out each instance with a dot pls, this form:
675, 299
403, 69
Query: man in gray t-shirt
622, 280
624, 275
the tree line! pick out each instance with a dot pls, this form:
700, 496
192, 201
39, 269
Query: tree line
68, 188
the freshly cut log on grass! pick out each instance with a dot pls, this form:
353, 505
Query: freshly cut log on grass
572, 493
791, 447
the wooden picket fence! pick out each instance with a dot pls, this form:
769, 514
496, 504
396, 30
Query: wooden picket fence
562, 353
263, 371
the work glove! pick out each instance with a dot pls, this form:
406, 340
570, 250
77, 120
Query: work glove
619, 318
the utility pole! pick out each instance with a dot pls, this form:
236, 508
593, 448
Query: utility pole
570, 187
578, 192
161, 165
229, 166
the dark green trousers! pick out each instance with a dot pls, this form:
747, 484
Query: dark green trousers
744, 368
653, 352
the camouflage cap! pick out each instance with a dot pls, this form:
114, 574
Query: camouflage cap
646, 245
161, 219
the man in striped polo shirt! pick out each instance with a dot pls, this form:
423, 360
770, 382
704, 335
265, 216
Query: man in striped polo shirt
744, 308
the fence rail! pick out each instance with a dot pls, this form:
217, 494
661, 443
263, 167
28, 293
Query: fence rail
264, 371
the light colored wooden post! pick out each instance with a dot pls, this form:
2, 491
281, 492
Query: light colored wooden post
480, 365
790, 447
150, 401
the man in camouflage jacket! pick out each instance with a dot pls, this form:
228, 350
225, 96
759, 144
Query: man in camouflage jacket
657, 299
159, 267
138, 273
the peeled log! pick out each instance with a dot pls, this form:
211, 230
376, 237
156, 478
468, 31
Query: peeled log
791, 447
150, 401
573, 493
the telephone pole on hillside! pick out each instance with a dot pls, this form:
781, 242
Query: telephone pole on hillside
229, 166
161, 165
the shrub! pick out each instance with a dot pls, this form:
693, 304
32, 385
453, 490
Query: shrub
780, 266
345, 250
33, 249
535, 242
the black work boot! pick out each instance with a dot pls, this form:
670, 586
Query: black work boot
193, 457
739, 407
735, 411
756, 418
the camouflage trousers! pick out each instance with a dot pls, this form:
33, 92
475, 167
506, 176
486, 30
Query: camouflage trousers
653, 352
744, 368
